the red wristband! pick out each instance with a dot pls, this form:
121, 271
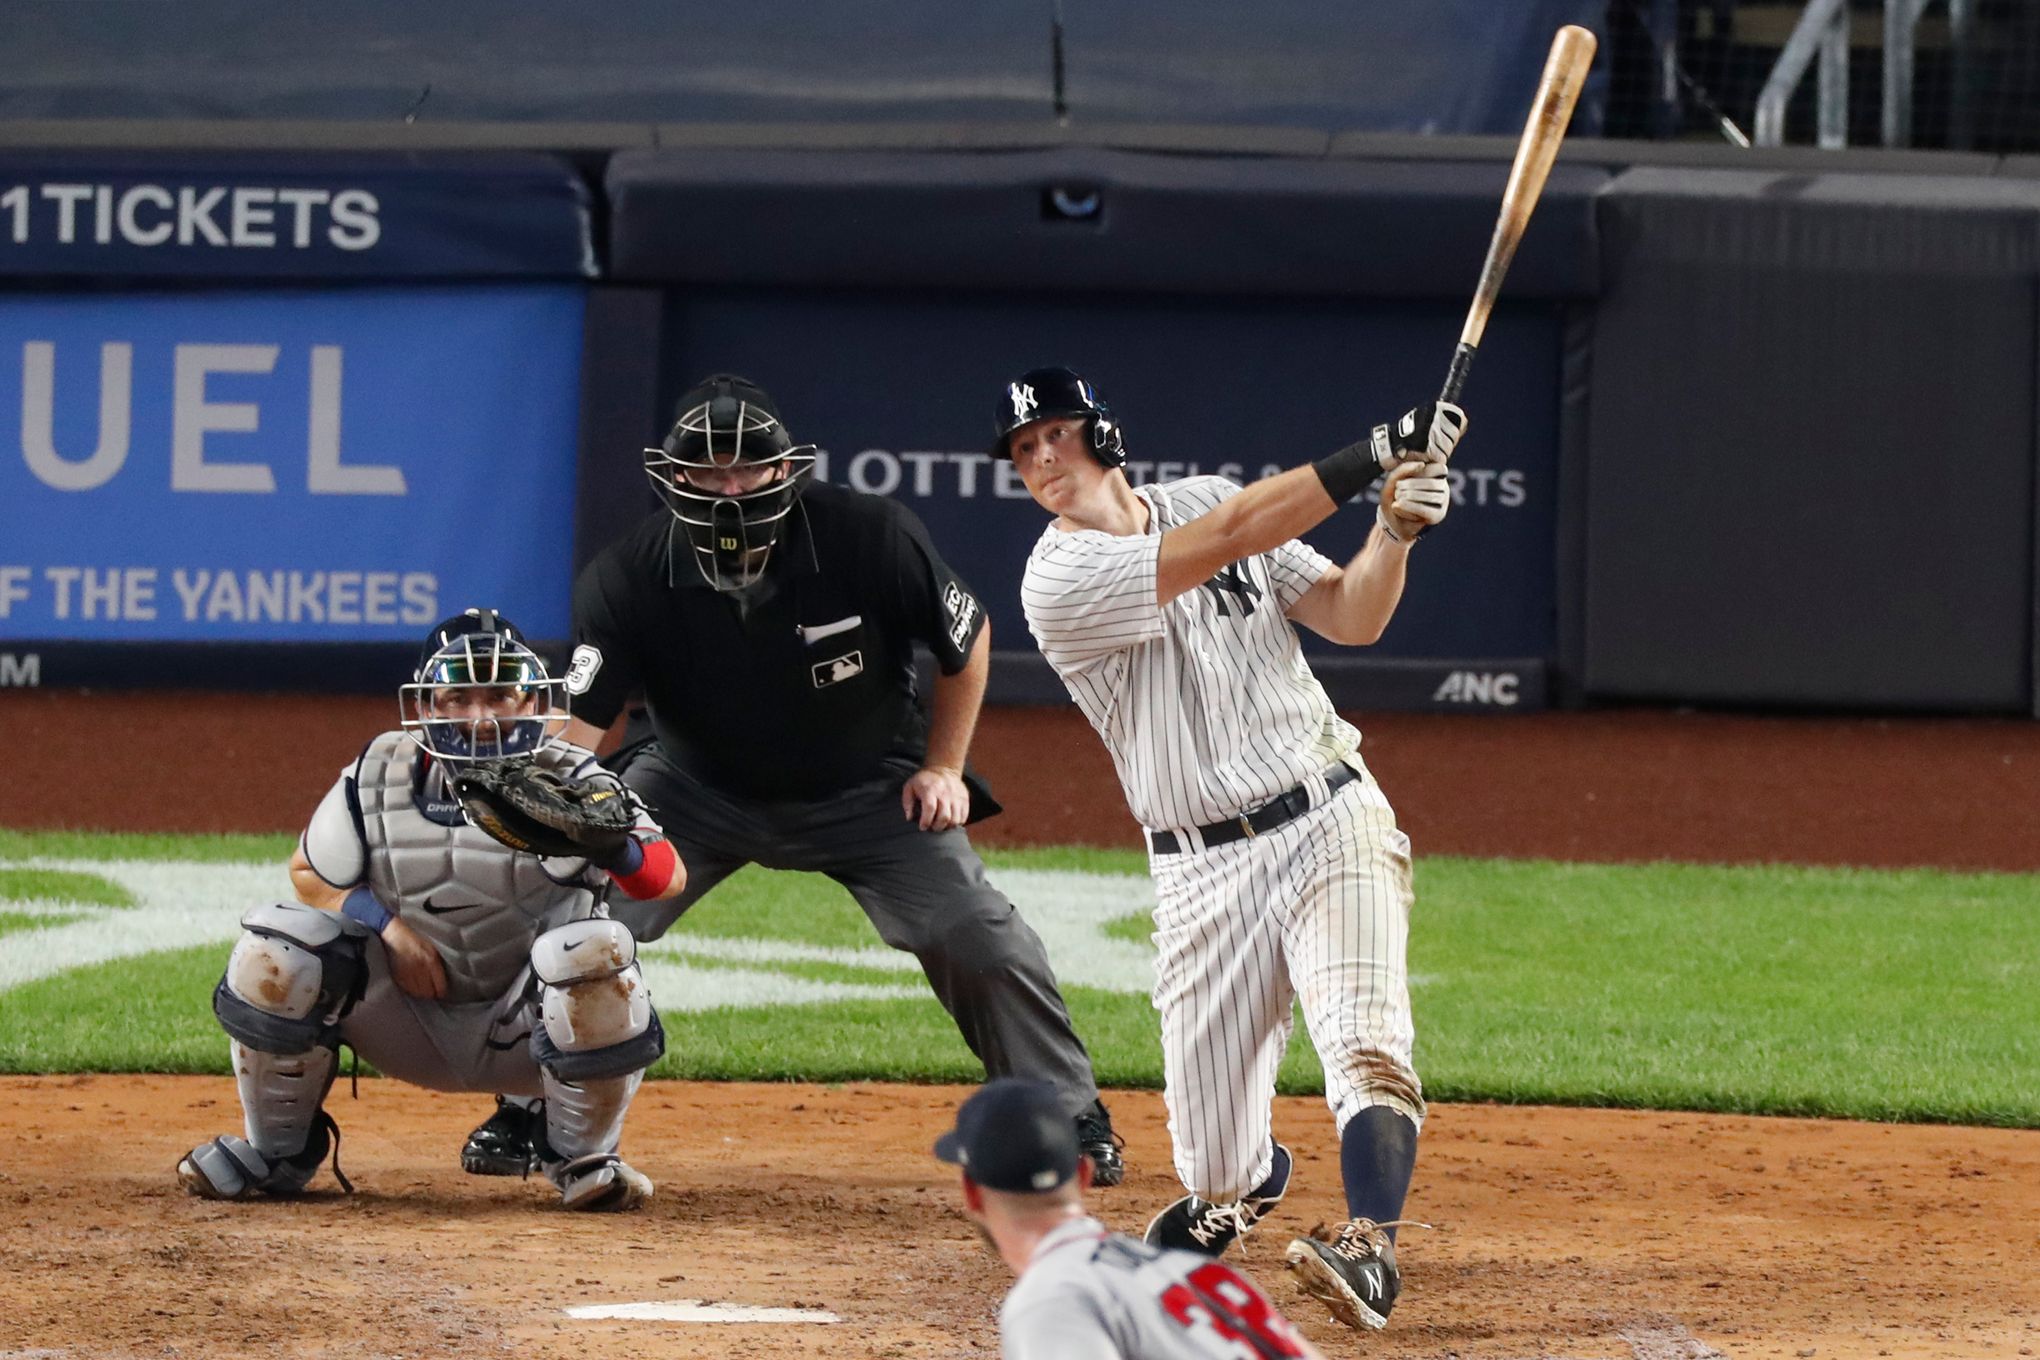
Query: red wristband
649, 879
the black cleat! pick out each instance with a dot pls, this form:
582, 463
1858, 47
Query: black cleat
1096, 1140
1193, 1224
502, 1145
1350, 1269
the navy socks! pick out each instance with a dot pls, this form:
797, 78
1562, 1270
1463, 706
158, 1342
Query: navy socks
1377, 1153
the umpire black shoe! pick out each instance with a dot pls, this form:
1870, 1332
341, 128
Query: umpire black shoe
1096, 1140
1193, 1224
1350, 1269
502, 1145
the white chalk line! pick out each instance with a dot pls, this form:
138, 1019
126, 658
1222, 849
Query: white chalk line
697, 1310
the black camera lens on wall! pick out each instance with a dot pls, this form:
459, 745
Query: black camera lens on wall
1072, 203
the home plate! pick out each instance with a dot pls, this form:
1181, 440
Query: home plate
695, 1310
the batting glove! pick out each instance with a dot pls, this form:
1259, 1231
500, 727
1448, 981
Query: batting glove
1425, 435
1415, 497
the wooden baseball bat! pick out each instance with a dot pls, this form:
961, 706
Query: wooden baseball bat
1565, 71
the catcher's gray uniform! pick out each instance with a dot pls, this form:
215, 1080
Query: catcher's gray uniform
543, 993
1090, 1294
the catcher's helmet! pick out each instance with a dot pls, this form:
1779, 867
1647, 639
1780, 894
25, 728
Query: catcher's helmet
728, 427
480, 693
1045, 393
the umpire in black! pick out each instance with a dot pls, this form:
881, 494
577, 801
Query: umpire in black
769, 621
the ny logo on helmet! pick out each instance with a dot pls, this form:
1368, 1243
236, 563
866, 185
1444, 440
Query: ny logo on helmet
1023, 400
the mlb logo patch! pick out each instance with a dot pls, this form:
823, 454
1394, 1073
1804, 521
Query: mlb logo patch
835, 672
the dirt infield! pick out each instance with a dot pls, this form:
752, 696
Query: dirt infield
1560, 1234
1607, 786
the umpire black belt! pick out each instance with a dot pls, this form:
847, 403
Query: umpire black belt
1265, 818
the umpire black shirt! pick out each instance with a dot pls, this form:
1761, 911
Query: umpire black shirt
802, 685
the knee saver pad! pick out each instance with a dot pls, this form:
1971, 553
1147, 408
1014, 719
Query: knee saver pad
597, 1015
583, 951
293, 974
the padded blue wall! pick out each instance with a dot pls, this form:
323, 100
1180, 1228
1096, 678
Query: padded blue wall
1389, 65
1810, 472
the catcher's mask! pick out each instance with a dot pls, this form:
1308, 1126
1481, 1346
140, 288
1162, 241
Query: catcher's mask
730, 474
1047, 393
480, 693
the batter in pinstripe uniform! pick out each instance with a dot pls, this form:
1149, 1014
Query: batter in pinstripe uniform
1280, 874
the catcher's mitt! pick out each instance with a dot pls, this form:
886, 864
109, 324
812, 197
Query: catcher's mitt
532, 809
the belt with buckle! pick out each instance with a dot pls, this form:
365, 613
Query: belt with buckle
1271, 814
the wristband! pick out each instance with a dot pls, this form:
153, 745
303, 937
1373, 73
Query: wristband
1347, 472
626, 861
362, 908
656, 865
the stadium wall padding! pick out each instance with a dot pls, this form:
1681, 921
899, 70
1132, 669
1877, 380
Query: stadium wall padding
1461, 66
1810, 467
1089, 220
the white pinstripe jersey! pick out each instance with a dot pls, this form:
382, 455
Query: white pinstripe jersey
1206, 703
1089, 1294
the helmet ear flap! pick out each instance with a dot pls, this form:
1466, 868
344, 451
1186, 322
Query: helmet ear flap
1108, 446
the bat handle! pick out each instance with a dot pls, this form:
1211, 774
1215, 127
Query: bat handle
1455, 377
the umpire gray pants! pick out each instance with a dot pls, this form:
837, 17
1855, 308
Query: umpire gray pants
924, 891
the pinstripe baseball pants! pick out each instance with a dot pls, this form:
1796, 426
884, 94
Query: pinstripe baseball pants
1316, 911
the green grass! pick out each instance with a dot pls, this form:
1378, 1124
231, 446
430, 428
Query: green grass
133, 845
1776, 990
50, 888
61, 885
20, 920
773, 905
1888, 995
1138, 928
146, 1014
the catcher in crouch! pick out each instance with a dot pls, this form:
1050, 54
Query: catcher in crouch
453, 930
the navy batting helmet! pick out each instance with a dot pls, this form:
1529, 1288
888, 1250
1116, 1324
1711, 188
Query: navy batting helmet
1047, 393
732, 517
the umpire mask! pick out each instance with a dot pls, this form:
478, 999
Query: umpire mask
729, 474
480, 693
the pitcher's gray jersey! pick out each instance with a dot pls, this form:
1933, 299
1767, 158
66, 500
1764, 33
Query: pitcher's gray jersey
479, 904
1090, 1294
1206, 703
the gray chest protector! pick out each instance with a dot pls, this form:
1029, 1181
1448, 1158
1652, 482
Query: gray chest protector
479, 902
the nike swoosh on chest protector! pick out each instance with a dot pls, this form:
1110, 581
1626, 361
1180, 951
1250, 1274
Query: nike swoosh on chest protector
438, 910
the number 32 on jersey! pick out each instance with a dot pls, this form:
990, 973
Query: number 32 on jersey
1215, 1298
